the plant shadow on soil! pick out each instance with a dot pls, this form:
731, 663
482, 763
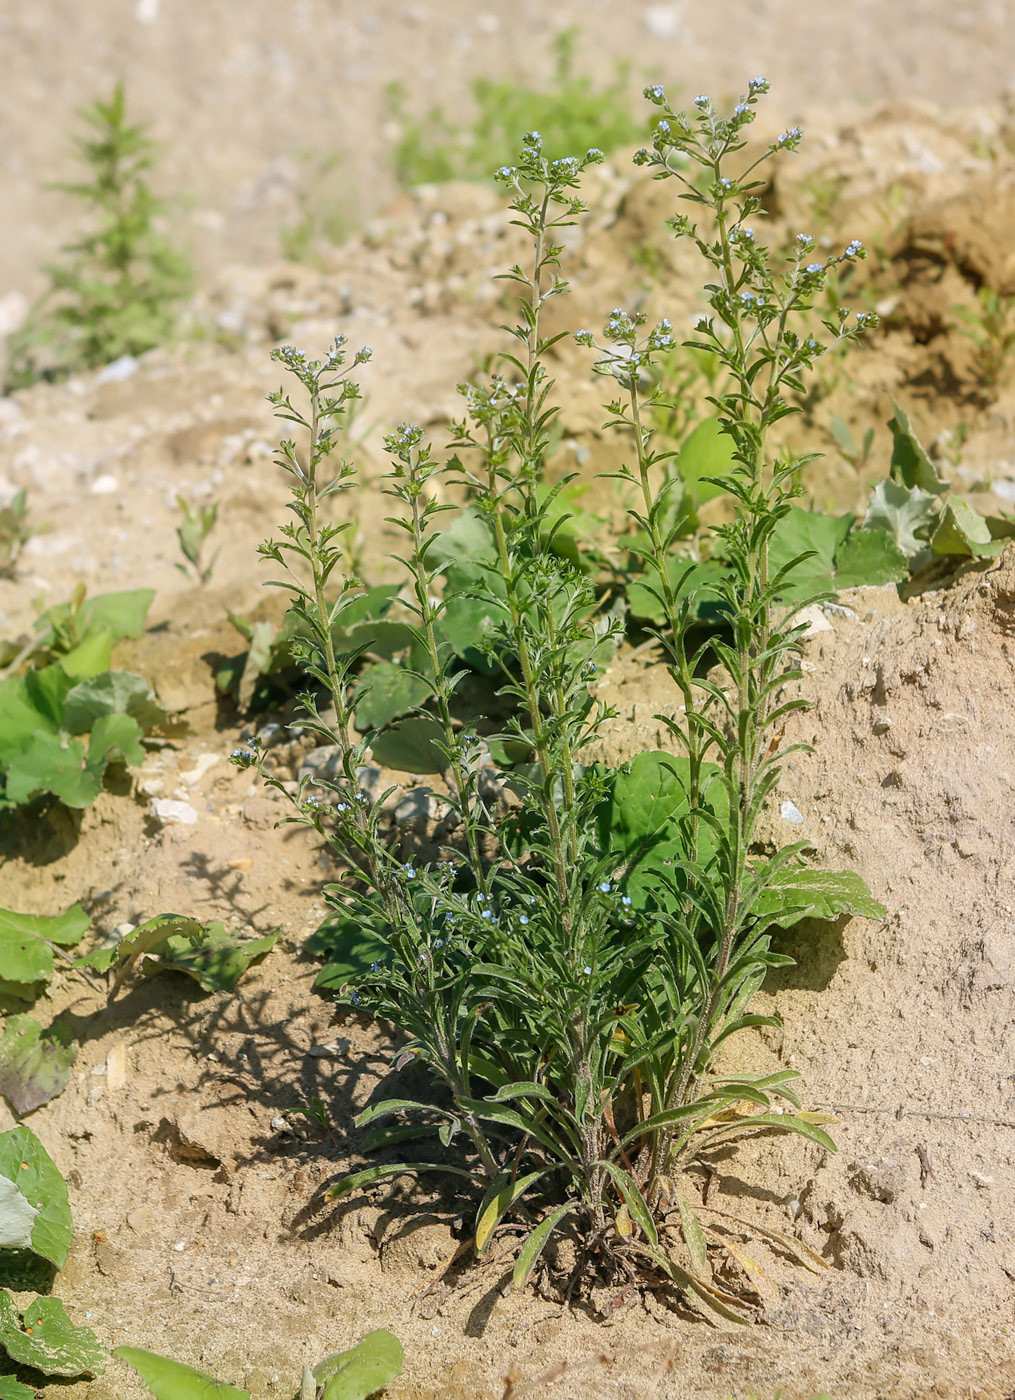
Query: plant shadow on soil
817, 948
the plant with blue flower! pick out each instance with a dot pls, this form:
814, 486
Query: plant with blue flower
610, 933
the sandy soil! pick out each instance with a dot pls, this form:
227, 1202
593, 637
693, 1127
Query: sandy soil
202, 1227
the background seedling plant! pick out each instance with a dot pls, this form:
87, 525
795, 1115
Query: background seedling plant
198, 523
567, 976
117, 290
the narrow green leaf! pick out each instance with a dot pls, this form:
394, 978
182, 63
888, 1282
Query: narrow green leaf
369, 1175
501, 1195
694, 1238
535, 1244
172, 1380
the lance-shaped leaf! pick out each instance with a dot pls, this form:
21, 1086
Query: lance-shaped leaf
35, 1065
27, 1166
172, 1380
502, 1194
535, 1244
45, 1337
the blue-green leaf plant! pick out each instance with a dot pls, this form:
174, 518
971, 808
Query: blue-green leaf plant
566, 976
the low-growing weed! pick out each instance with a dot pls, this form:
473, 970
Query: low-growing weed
118, 288
571, 114
568, 974
68, 716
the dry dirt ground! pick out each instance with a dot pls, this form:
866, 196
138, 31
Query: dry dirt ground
202, 1227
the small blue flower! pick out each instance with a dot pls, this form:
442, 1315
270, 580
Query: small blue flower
626, 901
523, 918
439, 943
815, 267
701, 100
740, 109
655, 93
604, 887
587, 971
486, 913
853, 248
408, 872
375, 967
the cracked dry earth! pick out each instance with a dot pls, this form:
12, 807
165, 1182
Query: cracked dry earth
198, 1194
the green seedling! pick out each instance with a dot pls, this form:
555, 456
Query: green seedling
317, 1112
564, 975
118, 288
197, 526
856, 454
323, 218
215, 957
15, 532
990, 326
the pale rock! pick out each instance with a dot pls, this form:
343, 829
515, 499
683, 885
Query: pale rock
117, 370
168, 812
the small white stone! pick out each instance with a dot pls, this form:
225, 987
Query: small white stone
13, 312
330, 1047
117, 370
169, 812
790, 812
105, 485
202, 764
813, 620
664, 22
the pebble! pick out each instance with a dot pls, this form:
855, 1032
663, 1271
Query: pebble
105, 485
201, 765
813, 620
330, 1047
117, 370
168, 812
790, 812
